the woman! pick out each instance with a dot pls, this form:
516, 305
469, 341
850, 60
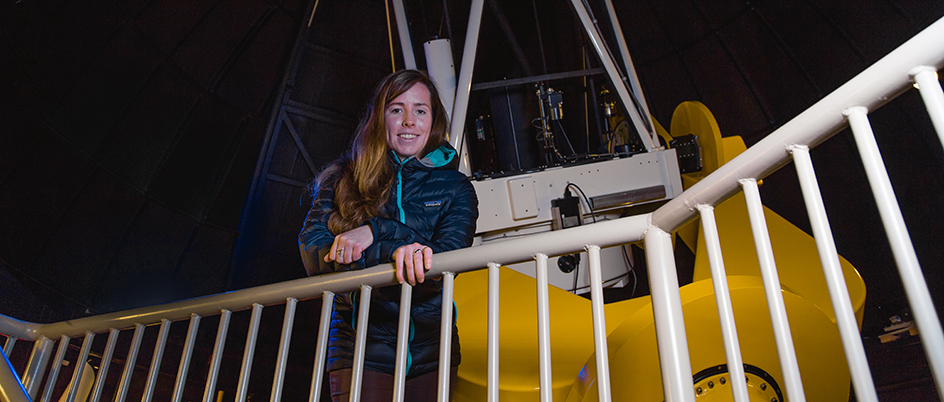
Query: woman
395, 196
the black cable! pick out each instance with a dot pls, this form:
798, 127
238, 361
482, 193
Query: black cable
585, 199
576, 275
631, 269
572, 150
606, 283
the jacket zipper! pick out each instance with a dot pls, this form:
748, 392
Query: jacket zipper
409, 355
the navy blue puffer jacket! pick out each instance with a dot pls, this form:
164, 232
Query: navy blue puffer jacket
431, 204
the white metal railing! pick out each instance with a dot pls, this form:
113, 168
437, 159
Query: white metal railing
915, 61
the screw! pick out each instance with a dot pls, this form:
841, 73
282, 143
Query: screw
711, 384
722, 381
698, 390
763, 387
773, 399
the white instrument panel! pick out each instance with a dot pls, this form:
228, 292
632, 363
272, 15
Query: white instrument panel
525, 199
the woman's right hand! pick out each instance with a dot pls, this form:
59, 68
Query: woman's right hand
349, 246
411, 262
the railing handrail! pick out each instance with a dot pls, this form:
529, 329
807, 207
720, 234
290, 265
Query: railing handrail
604, 234
871, 88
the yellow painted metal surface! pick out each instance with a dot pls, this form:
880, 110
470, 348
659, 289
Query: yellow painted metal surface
633, 353
634, 360
571, 336
795, 254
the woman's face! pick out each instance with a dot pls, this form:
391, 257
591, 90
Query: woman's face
409, 118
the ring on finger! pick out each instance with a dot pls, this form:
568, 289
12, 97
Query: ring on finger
418, 250
341, 251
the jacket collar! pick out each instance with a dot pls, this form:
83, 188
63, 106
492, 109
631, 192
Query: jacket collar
441, 157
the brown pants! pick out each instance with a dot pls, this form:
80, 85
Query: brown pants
378, 387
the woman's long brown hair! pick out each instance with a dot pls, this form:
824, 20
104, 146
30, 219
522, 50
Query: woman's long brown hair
363, 177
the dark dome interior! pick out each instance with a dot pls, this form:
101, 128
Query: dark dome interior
152, 151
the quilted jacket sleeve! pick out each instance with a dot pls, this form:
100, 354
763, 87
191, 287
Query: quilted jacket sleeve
454, 230
315, 239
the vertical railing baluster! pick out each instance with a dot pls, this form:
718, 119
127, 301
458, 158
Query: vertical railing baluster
403, 342
218, 347
79, 367
544, 328
667, 311
184, 366
916, 289
39, 359
599, 324
360, 343
775, 303
835, 282
445, 337
103, 367
242, 389
8, 346
930, 88
156, 360
732, 348
321, 348
284, 345
130, 360
494, 270
54, 370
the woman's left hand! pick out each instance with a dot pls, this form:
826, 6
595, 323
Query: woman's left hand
412, 261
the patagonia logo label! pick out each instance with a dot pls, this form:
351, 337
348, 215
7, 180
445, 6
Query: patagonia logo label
433, 203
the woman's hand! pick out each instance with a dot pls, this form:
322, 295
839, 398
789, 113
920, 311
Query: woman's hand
412, 261
349, 246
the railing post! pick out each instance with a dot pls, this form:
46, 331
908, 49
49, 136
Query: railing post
128, 370
284, 343
494, 270
445, 337
103, 368
184, 366
39, 359
403, 342
916, 289
79, 367
8, 346
544, 328
156, 360
925, 78
242, 388
599, 324
667, 311
768, 273
321, 348
54, 370
217, 357
360, 343
836, 283
719, 279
